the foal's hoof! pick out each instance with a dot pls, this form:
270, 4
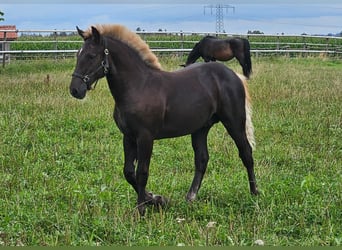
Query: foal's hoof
159, 201
255, 192
190, 197
141, 209
156, 200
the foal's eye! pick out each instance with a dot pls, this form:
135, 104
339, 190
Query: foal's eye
91, 55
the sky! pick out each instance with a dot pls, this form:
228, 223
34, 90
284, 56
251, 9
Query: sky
269, 17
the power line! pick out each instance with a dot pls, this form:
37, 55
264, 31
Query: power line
219, 12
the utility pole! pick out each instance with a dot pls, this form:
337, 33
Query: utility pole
219, 8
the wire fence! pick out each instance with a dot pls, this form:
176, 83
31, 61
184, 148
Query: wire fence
37, 44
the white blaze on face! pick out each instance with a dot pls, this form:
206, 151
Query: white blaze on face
80, 51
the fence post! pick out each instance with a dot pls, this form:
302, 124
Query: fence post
278, 44
3, 60
182, 42
326, 46
304, 47
3, 49
56, 44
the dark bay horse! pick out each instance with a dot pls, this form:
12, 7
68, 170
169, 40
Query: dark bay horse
212, 48
152, 104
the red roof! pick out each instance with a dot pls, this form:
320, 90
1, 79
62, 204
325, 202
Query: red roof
10, 35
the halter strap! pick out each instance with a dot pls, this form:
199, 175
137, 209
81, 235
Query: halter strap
104, 65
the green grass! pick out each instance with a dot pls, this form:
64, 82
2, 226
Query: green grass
61, 163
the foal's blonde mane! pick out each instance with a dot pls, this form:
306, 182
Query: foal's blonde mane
130, 38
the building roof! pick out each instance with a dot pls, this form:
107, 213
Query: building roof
10, 35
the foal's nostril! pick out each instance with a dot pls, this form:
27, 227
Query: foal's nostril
74, 92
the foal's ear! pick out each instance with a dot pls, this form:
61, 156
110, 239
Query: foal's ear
80, 32
95, 34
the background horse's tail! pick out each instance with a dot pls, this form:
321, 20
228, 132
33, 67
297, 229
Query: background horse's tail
247, 55
248, 108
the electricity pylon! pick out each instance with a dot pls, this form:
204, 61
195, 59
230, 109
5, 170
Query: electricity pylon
219, 8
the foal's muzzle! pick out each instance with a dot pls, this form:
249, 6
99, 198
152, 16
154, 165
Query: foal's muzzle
78, 89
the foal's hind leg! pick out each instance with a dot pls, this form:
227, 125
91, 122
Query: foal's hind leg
199, 145
239, 136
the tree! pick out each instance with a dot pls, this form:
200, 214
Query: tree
2, 14
255, 32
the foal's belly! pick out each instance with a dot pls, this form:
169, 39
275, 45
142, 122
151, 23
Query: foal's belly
183, 126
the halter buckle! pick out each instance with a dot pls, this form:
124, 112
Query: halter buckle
86, 78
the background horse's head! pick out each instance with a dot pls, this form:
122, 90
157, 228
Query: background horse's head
92, 63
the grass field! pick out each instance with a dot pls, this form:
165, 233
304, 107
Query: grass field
61, 163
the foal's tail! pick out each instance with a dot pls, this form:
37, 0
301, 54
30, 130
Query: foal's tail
248, 109
247, 55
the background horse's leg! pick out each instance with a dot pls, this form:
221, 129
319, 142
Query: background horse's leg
199, 144
239, 136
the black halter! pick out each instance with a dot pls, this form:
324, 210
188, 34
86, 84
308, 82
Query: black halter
104, 65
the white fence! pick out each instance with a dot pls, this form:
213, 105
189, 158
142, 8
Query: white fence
175, 42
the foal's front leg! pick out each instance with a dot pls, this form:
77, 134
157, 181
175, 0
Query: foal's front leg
144, 150
130, 151
138, 178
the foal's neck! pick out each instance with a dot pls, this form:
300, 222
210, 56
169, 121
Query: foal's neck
130, 71
125, 58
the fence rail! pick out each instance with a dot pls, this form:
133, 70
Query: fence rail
54, 43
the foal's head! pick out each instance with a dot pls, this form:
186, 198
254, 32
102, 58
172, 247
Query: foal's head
92, 63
